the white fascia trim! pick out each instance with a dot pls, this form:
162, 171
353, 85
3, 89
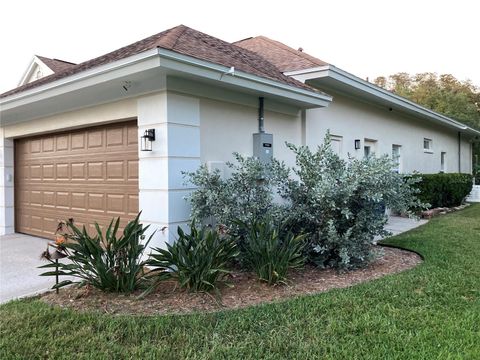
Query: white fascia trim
360, 84
38, 91
301, 94
75, 81
307, 71
28, 71
35, 61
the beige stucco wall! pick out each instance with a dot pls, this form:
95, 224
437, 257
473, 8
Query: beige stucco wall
94, 115
352, 120
226, 128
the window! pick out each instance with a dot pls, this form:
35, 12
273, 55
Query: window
336, 142
427, 145
443, 164
396, 157
367, 151
369, 147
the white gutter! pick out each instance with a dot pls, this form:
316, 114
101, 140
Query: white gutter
36, 92
243, 79
220, 69
351, 80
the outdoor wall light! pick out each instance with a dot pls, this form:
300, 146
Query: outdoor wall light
357, 144
147, 139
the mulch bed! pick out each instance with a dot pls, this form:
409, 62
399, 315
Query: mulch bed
246, 290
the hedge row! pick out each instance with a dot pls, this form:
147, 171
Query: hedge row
444, 190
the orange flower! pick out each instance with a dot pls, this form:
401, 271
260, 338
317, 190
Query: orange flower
60, 240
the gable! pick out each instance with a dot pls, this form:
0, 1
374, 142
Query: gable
185, 41
41, 67
36, 70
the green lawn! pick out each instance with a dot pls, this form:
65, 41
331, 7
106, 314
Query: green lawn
430, 312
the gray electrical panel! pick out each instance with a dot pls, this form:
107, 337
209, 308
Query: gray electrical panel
263, 147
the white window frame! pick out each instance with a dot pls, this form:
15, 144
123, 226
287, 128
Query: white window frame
428, 149
397, 159
372, 144
443, 162
337, 139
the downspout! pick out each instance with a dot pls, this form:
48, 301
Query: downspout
304, 126
459, 152
261, 115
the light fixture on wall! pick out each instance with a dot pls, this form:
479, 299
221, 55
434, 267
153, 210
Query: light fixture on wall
147, 139
357, 144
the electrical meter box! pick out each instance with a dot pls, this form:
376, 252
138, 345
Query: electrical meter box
263, 147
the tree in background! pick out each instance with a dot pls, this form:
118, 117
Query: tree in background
459, 100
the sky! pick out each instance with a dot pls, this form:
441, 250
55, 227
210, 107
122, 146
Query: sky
367, 38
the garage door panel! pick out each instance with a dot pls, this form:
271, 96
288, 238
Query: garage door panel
62, 143
48, 145
88, 175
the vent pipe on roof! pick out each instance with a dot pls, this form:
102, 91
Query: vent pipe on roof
261, 116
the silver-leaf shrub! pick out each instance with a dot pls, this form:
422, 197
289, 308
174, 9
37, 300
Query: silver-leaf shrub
247, 195
338, 203
341, 203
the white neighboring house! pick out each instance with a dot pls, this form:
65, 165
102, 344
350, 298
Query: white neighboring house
79, 134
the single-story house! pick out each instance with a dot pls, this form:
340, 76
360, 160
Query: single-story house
110, 136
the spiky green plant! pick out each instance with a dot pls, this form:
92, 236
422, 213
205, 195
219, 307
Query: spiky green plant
105, 260
270, 250
198, 260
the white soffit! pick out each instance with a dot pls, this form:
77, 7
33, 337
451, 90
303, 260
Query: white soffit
333, 78
162, 59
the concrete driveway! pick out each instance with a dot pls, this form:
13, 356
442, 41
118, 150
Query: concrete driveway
19, 261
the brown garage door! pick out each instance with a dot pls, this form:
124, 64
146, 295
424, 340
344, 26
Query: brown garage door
88, 175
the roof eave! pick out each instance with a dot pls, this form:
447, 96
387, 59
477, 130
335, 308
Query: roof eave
168, 59
55, 87
351, 80
242, 79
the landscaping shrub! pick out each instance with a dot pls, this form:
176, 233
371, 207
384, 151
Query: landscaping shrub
246, 195
270, 251
337, 203
105, 261
198, 261
444, 190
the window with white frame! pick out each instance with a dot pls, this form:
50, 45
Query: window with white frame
369, 147
427, 145
336, 143
443, 162
397, 158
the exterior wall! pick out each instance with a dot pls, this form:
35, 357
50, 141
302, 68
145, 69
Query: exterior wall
176, 120
226, 128
6, 185
36, 70
75, 119
191, 130
356, 120
466, 155
95, 115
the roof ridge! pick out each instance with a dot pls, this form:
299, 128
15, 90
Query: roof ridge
184, 30
292, 50
64, 61
186, 41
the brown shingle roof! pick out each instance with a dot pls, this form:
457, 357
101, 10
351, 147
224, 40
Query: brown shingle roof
282, 56
56, 65
187, 41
